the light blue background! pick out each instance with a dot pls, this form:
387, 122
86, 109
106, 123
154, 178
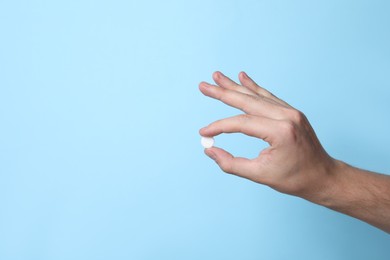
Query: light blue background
100, 110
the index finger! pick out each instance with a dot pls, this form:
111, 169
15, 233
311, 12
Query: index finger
260, 127
253, 86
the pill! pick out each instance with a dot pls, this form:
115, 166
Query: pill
207, 142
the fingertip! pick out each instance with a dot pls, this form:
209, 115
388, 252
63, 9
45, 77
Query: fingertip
204, 87
202, 131
241, 77
210, 153
219, 153
244, 75
202, 84
216, 75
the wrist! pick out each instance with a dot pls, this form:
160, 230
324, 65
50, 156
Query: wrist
329, 187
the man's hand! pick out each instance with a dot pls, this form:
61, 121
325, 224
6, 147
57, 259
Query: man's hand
294, 163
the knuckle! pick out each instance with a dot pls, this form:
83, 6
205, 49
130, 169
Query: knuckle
259, 98
244, 118
289, 130
243, 124
226, 166
296, 116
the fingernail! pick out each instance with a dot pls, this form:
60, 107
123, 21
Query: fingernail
207, 85
244, 74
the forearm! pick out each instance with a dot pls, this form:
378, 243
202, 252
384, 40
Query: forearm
361, 194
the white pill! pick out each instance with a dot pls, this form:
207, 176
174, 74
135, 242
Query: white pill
207, 142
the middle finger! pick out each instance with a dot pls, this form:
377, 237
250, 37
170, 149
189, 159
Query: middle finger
247, 103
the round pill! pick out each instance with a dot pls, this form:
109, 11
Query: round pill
207, 142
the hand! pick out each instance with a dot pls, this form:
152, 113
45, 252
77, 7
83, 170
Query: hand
294, 163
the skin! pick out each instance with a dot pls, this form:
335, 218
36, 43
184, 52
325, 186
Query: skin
295, 162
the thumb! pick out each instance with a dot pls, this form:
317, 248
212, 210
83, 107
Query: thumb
239, 166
